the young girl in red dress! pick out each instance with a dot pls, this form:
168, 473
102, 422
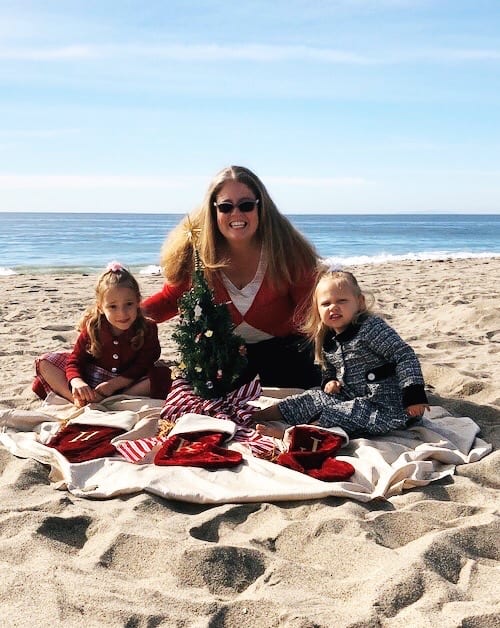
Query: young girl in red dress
115, 351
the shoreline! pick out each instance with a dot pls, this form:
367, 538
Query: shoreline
428, 556
154, 270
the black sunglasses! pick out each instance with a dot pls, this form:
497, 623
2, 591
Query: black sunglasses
243, 206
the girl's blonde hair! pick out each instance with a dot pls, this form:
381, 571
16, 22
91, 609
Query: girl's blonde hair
289, 254
312, 326
115, 277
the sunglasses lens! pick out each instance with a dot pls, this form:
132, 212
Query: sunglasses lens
244, 206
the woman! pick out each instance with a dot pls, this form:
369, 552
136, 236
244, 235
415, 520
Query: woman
258, 264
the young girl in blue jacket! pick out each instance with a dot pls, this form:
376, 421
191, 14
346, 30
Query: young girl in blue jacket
372, 381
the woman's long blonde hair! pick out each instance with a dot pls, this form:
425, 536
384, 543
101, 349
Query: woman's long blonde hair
289, 254
312, 326
93, 316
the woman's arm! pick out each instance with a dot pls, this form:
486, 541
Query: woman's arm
162, 306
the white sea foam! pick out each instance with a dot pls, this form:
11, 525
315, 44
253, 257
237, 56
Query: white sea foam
6, 272
152, 269
358, 260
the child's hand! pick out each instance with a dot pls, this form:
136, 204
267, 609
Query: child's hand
105, 389
82, 392
417, 409
332, 387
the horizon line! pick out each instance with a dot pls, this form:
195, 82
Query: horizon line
285, 213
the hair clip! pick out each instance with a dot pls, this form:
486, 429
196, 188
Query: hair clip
115, 267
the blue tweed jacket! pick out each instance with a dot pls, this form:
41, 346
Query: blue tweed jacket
366, 358
380, 376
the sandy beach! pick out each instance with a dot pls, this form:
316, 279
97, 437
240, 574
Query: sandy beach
427, 557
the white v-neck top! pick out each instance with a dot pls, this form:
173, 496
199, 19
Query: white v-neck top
243, 299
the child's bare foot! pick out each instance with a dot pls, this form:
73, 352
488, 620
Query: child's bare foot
271, 413
272, 429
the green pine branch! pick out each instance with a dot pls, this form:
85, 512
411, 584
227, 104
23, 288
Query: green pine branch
212, 355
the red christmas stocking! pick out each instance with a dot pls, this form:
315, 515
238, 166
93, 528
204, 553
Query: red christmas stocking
312, 452
197, 449
78, 442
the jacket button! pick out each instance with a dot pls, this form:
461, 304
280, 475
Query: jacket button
115, 356
370, 377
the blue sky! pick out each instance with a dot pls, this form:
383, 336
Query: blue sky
347, 106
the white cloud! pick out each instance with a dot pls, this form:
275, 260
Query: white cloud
181, 52
62, 53
319, 182
451, 54
36, 133
257, 52
121, 182
251, 52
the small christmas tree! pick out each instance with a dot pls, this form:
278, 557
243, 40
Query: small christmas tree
212, 355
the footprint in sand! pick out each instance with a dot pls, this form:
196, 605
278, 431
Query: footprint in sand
400, 591
211, 530
250, 613
71, 531
446, 344
58, 327
448, 555
396, 529
138, 556
31, 474
296, 544
470, 388
59, 338
224, 570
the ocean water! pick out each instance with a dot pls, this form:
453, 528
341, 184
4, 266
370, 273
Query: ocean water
38, 242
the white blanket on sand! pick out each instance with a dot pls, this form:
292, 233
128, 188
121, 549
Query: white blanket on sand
384, 465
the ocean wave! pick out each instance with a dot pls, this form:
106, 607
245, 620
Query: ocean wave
336, 261
6, 272
382, 258
152, 269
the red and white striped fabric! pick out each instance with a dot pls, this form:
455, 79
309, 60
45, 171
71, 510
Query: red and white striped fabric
260, 446
136, 450
233, 407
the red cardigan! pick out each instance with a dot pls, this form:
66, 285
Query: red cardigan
272, 311
117, 355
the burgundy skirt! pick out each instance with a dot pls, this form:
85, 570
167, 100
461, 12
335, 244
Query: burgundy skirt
159, 375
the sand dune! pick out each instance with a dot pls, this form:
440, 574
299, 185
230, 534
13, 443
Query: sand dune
428, 557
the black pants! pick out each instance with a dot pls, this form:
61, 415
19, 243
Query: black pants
282, 362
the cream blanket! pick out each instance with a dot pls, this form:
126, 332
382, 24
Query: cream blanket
384, 466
